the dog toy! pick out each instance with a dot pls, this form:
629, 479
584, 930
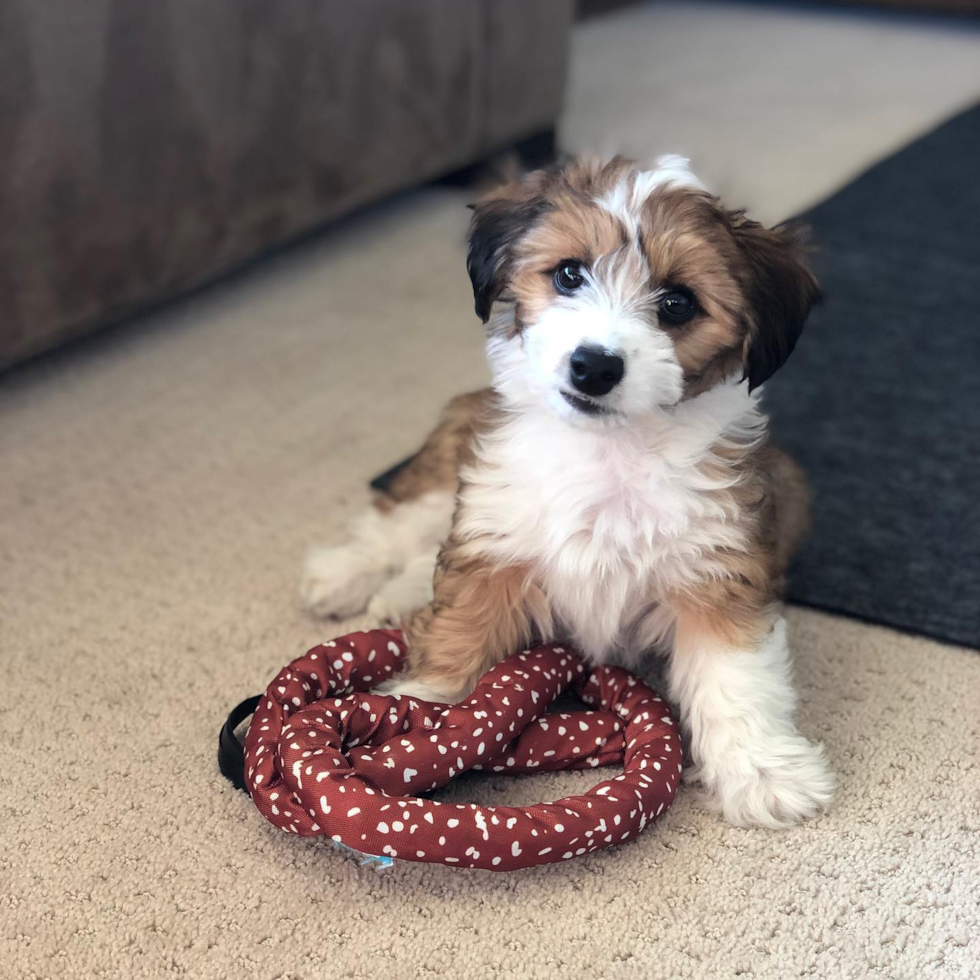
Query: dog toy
325, 756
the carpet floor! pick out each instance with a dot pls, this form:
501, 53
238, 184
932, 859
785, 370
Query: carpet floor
158, 487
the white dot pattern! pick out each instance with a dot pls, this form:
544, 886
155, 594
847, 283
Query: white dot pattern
326, 756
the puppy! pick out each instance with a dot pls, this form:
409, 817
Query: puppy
615, 489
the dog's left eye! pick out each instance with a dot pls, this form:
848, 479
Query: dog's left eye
568, 277
677, 305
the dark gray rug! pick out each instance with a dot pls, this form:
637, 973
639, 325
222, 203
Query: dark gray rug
881, 400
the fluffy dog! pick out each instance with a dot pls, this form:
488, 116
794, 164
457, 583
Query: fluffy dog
614, 489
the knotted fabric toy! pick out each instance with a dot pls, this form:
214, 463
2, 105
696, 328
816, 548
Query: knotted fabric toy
326, 756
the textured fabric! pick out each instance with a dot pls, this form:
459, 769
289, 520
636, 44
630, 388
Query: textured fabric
149, 146
326, 756
881, 400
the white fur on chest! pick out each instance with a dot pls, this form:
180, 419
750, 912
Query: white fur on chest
610, 519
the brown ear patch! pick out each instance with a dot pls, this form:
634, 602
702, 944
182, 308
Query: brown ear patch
753, 285
577, 227
688, 242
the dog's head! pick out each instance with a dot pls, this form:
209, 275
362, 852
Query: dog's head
613, 292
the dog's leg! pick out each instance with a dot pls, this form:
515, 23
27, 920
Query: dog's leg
411, 518
480, 614
737, 704
341, 581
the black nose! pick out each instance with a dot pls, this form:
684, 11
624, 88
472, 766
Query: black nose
595, 371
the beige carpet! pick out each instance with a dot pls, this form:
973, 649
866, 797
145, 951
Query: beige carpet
158, 487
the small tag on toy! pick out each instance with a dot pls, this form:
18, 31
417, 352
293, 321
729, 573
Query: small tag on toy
380, 862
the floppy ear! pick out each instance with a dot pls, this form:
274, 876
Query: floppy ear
498, 222
781, 290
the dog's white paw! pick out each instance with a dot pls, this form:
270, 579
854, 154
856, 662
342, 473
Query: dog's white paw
405, 593
340, 581
412, 687
779, 782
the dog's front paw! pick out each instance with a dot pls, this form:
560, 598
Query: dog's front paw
339, 581
407, 686
779, 782
406, 593
388, 609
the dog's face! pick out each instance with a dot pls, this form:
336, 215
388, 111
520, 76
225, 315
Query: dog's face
614, 292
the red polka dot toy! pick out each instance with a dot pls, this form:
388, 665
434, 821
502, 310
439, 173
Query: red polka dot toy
326, 756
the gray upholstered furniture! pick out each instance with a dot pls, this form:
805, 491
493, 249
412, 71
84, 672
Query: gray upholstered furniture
147, 146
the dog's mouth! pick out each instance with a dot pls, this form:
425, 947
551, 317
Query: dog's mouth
585, 405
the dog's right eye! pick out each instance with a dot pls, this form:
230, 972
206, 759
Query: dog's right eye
568, 277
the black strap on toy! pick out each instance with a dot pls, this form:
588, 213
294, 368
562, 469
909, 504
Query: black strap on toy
231, 752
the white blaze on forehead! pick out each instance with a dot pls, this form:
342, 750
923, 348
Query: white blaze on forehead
626, 199
669, 169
